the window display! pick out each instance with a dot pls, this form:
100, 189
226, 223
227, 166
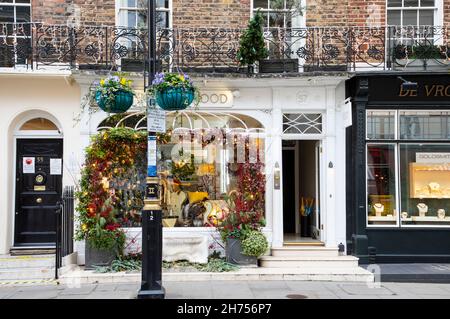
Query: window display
425, 188
381, 184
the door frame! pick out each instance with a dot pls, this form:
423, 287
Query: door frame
320, 140
41, 134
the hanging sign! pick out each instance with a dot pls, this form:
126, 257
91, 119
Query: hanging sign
55, 166
29, 165
156, 120
347, 113
151, 157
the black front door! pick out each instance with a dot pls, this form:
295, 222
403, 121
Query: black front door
38, 188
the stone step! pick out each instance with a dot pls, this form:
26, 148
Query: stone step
305, 251
26, 274
19, 262
309, 262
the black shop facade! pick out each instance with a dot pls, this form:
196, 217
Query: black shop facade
398, 168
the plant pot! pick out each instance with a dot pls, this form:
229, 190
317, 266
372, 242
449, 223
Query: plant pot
174, 99
122, 102
278, 65
422, 64
233, 252
95, 257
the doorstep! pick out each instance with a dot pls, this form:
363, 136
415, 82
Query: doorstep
77, 275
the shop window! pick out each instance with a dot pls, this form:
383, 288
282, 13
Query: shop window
425, 184
421, 125
415, 13
302, 123
381, 185
203, 160
380, 125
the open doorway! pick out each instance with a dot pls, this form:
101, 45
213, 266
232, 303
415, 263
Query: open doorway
301, 192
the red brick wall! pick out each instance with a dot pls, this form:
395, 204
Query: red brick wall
91, 12
447, 13
211, 13
346, 12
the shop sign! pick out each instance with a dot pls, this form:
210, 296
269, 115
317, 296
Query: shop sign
156, 120
438, 158
216, 99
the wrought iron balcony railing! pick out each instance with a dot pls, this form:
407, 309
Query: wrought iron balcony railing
214, 50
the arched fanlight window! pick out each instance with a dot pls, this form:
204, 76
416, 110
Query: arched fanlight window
38, 124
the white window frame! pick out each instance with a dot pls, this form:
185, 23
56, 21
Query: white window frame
119, 8
302, 18
438, 11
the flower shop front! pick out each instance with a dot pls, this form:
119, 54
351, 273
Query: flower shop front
232, 143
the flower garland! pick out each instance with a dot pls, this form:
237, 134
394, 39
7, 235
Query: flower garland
112, 186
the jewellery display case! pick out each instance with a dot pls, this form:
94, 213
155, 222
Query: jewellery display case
429, 180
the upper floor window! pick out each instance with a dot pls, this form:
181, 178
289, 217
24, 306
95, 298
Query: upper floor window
133, 13
280, 13
15, 11
415, 13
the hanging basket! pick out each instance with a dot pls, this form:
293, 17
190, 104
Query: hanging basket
173, 99
122, 102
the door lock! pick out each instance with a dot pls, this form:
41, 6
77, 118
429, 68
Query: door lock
39, 200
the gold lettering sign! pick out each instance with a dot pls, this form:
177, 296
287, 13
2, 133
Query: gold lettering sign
433, 90
38, 188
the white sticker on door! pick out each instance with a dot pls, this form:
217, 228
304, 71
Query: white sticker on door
55, 166
29, 165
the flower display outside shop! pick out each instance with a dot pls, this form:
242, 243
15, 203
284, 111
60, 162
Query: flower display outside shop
111, 187
114, 94
174, 91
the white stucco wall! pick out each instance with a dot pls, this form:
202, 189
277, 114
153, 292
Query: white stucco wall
53, 96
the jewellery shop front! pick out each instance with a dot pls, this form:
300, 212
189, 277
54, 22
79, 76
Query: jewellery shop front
398, 168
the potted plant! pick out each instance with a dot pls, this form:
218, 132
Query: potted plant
114, 94
421, 56
237, 228
252, 47
174, 91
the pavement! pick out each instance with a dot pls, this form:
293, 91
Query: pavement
427, 272
233, 290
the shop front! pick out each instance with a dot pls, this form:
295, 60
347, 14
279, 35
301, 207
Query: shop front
238, 140
398, 202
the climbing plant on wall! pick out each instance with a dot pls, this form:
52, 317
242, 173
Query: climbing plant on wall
112, 185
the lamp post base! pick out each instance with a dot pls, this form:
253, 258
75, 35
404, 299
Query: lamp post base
152, 294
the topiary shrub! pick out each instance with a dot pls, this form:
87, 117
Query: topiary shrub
255, 244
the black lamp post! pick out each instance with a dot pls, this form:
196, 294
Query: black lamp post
151, 285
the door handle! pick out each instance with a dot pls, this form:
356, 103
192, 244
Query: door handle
39, 200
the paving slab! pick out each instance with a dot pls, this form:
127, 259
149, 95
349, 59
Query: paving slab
83, 290
35, 294
363, 290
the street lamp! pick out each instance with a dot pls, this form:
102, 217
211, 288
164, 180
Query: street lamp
151, 285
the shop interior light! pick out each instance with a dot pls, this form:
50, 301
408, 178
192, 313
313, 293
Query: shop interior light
408, 85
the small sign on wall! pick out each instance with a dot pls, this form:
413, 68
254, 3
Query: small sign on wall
55, 166
29, 164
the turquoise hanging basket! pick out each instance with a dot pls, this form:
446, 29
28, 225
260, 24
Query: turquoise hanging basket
174, 99
122, 102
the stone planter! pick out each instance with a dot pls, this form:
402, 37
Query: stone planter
278, 65
421, 64
95, 257
233, 252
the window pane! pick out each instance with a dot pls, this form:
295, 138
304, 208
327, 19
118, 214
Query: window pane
131, 19
380, 125
427, 3
260, 4
426, 17
276, 19
425, 189
394, 3
23, 14
162, 19
6, 14
411, 3
416, 125
381, 203
410, 17
22, 1
393, 17
276, 4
